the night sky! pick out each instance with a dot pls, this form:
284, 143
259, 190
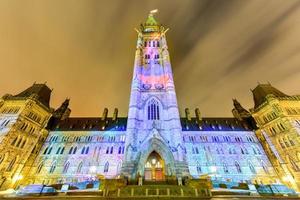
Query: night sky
85, 49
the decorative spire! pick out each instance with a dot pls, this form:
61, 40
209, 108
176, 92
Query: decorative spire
151, 24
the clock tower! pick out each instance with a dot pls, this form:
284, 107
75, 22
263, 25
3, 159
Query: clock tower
154, 143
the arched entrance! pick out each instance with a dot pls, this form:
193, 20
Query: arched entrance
154, 167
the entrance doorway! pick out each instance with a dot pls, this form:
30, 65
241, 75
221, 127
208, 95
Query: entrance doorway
154, 168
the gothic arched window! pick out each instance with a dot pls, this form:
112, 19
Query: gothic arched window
153, 43
106, 166
62, 150
83, 150
225, 167
1, 159
66, 167
238, 167
52, 168
75, 149
264, 166
14, 141
153, 110
39, 169
199, 170
58, 150
79, 168
11, 164
50, 150
294, 165
71, 150
252, 167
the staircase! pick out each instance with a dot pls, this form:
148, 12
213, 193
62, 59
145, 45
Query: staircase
161, 191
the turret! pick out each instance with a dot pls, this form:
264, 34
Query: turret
187, 114
243, 115
115, 115
61, 113
104, 115
198, 115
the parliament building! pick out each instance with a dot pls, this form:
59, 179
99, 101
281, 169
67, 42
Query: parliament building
43, 145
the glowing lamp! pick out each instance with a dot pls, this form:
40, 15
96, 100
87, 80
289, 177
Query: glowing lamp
153, 161
17, 178
93, 169
213, 169
288, 178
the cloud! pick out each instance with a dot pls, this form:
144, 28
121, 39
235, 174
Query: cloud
85, 49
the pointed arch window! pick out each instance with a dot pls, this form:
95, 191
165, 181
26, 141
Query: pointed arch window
75, 149
264, 166
62, 150
238, 167
14, 141
296, 168
46, 150
39, 169
83, 150
71, 150
79, 168
1, 159
153, 43
225, 167
199, 170
66, 167
252, 169
19, 142
106, 167
50, 150
153, 110
11, 165
52, 168
58, 150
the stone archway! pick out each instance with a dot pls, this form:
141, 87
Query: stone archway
154, 167
155, 147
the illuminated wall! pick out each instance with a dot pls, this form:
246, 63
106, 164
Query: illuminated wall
76, 156
23, 118
278, 118
219, 147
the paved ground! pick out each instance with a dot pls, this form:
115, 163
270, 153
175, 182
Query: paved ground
151, 198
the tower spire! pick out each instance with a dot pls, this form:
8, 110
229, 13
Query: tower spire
153, 117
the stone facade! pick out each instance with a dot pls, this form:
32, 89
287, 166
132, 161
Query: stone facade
23, 119
278, 118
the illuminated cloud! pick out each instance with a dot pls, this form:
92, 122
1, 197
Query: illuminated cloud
85, 49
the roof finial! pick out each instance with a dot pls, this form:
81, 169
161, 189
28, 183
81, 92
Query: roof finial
152, 12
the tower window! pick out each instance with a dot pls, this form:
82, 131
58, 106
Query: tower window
153, 110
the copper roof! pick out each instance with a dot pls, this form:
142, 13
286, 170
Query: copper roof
262, 90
